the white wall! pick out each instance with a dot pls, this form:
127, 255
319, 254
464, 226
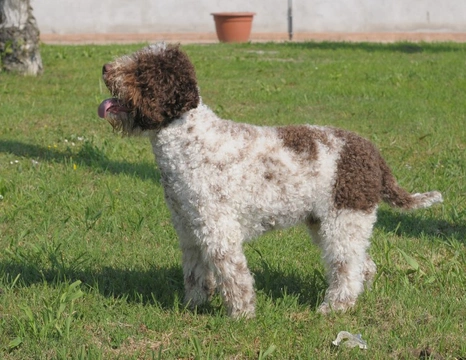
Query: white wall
185, 16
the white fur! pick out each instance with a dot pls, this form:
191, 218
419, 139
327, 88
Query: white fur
213, 175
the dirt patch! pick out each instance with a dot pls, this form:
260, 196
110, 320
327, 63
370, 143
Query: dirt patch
206, 38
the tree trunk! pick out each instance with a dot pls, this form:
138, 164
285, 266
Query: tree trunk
19, 38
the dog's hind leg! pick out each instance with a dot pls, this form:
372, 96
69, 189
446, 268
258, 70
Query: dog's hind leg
345, 241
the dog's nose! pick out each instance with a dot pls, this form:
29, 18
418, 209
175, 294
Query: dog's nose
106, 68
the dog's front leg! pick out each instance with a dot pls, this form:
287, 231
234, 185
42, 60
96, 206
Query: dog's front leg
199, 281
234, 279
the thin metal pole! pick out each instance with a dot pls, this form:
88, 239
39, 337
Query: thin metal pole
290, 19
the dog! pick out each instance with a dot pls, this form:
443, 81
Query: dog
226, 183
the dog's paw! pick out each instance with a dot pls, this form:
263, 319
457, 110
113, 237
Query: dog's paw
338, 306
324, 309
249, 314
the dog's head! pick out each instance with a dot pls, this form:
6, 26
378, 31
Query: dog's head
150, 88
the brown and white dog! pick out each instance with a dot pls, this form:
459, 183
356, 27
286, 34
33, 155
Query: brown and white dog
226, 183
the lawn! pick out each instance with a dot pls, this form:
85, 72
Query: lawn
89, 261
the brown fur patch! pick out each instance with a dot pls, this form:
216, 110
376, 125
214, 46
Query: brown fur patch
364, 178
269, 161
268, 176
341, 268
273, 168
217, 190
301, 139
322, 137
237, 130
392, 193
358, 183
156, 87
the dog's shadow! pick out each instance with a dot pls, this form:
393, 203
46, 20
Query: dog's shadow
88, 156
307, 290
412, 225
162, 286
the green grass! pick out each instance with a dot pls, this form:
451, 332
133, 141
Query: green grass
89, 261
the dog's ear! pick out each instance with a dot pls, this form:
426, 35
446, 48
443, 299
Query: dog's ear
167, 84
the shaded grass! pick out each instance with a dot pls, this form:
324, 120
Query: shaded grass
81, 204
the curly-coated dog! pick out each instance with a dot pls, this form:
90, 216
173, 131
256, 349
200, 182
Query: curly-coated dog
226, 183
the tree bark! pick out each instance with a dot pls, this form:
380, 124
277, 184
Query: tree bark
19, 38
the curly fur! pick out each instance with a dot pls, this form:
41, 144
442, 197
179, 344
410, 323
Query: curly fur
226, 183
146, 84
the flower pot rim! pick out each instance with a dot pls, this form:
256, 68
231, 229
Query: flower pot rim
233, 13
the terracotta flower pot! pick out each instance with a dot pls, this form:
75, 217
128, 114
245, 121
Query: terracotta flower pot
233, 26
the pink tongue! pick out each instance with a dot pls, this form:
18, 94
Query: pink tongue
104, 106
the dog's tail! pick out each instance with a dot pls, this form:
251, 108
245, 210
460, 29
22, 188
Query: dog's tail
396, 196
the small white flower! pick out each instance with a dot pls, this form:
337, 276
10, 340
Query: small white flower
80, 138
35, 163
1, 197
66, 140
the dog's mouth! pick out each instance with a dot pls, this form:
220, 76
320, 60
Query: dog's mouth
111, 106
